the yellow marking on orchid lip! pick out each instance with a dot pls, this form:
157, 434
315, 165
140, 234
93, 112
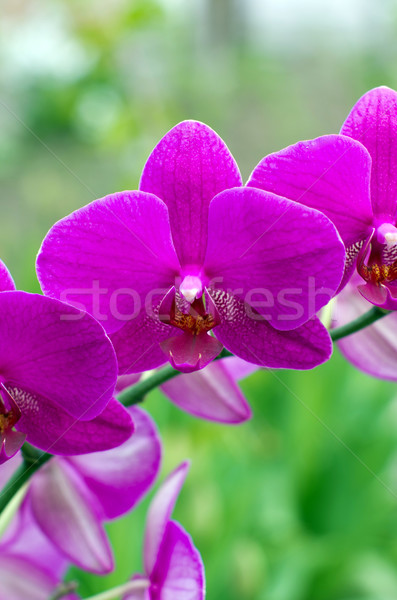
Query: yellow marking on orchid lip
195, 325
7, 421
377, 274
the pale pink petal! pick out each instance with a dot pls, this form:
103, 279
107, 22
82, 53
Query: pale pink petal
210, 393
119, 478
373, 349
70, 516
159, 514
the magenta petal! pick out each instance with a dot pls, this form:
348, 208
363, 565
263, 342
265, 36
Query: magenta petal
107, 256
56, 351
330, 173
187, 168
120, 477
53, 430
137, 343
70, 517
159, 514
6, 281
282, 258
210, 394
374, 349
189, 352
250, 337
373, 122
179, 570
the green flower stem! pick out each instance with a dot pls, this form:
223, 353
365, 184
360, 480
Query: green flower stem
365, 320
33, 460
116, 592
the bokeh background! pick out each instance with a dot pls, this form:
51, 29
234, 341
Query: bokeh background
301, 502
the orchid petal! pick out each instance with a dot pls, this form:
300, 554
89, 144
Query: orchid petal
238, 368
53, 350
373, 122
70, 517
373, 349
282, 258
107, 256
159, 514
21, 580
24, 538
53, 430
330, 173
210, 393
119, 478
187, 168
6, 281
8, 469
137, 343
249, 336
179, 570
126, 381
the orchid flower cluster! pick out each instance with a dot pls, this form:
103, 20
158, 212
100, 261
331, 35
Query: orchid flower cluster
192, 267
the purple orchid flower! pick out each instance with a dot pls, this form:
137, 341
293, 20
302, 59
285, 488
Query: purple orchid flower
353, 180
70, 498
211, 393
173, 566
57, 373
193, 253
373, 349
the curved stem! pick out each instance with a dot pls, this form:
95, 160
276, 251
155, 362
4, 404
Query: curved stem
33, 460
361, 322
116, 592
137, 392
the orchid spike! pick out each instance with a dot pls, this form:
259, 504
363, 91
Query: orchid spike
193, 262
352, 178
211, 393
70, 498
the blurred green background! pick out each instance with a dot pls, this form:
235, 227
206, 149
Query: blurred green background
287, 506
